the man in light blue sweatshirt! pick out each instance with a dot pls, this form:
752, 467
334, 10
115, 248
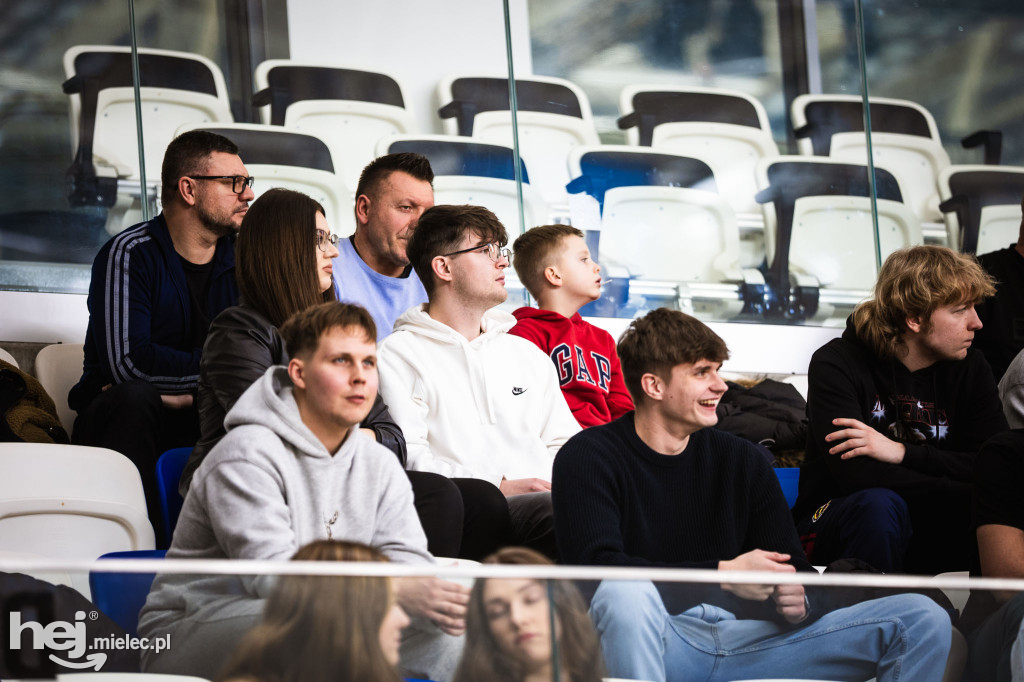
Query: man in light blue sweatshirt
294, 468
371, 268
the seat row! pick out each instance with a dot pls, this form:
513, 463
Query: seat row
351, 108
322, 123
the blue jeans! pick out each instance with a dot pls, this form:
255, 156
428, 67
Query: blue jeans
904, 637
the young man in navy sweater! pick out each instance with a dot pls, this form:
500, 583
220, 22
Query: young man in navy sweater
658, 488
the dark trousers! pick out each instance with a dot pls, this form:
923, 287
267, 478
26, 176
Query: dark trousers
533, 523
872, 525
465, 518
130, 418
927, 534
991, 644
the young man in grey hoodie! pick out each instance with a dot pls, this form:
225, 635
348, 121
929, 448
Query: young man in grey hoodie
294, 468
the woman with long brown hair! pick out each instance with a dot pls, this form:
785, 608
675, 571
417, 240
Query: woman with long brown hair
509, 634
324, 628
283, 265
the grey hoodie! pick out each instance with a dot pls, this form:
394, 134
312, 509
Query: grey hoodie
270, 487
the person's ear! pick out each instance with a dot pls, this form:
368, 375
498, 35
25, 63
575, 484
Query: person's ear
363, 209
441, 269
652, 385
552, 277
296, 372
187, 190
915, 324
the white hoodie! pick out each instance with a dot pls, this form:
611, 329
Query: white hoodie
487, 408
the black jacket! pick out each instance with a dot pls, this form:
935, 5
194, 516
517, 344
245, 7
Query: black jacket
767, 411
942, 414
240, 347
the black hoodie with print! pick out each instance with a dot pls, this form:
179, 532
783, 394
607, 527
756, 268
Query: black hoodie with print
942, 414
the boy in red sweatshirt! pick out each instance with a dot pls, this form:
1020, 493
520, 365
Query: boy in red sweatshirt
554, 264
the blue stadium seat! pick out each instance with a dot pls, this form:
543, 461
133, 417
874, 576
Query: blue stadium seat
789, 479
122, 595
168, 473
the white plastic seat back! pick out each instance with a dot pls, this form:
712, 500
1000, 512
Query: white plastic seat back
70, 502
801, 103
545, 141
58, 368
163, 112
915, 161
832, 238
7, 357
451, 125
1000, 227
671, 234
732, 151
350, 128
327, 188
956, 597
75, 100
736, 102
994, 213
496, 194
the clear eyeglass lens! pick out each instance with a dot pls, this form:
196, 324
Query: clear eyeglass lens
240, 182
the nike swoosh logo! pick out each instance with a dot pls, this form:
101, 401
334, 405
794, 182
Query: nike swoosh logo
518, 391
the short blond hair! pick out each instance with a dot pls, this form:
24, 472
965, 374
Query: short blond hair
535, 249
915, 282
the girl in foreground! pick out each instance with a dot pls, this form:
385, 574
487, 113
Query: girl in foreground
324, 628
508, 629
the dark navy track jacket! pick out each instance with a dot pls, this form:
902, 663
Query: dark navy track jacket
140, 315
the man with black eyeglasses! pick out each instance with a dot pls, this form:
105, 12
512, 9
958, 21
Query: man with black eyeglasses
155, 288
473, 400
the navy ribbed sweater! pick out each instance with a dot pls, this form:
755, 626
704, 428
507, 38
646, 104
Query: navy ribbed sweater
617, 502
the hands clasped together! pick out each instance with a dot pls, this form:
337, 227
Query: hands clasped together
789, 599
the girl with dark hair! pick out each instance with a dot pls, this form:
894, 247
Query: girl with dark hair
324, 628
508, 629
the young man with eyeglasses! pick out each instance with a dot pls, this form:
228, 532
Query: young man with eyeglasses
372, 268
898, 409
155, 288
473, 400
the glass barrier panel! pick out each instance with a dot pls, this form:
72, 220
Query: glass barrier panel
340, 618
943, 118
51, 220
181, 60
670, 147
